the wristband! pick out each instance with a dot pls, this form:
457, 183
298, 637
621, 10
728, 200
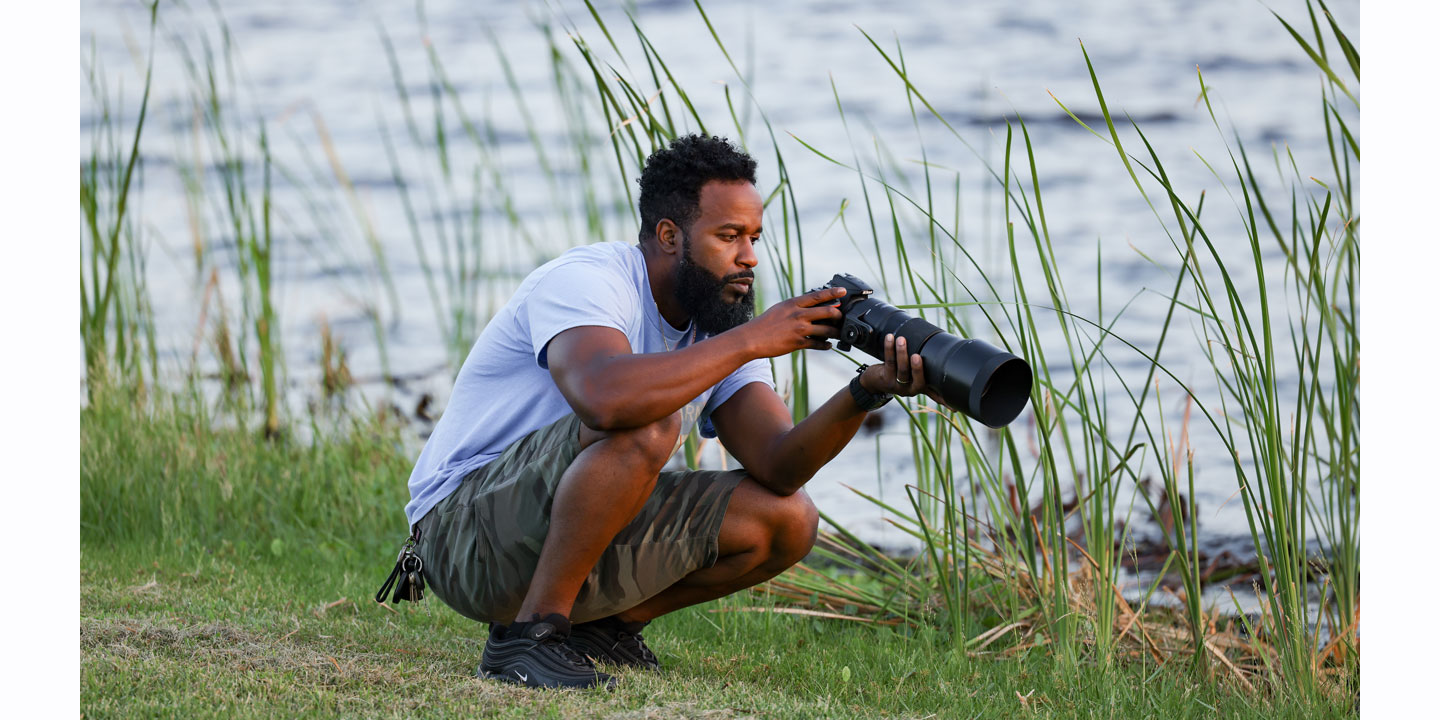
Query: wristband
864, 399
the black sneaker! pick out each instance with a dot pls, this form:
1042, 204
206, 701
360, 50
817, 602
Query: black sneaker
612, 641
534, 654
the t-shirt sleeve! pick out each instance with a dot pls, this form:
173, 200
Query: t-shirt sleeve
578, 295
754, 371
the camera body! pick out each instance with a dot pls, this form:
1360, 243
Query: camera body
973, 376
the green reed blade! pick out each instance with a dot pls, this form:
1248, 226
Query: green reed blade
1320, 61
1352, 56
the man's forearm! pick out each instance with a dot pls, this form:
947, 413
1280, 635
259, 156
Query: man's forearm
633, 390
611, 388
800, 452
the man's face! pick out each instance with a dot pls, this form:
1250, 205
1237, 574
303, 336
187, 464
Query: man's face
716, 274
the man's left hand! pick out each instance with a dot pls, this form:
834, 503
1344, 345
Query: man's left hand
902, 375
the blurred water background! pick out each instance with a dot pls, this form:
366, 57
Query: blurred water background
319, 75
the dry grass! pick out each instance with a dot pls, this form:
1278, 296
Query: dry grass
1235, 657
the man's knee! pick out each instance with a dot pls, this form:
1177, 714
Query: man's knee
794, 525
650, 445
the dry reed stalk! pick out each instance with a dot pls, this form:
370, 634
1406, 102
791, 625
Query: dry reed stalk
993, 634
1335, 645
849, 599
358, 206
1239, 675
211, 286
1124, 607
1039, 540
335, 377
192, 211
808, 613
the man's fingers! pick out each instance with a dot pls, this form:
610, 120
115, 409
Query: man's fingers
820, 312
902, 361
818, 344
820, 297
823, 331
890, 351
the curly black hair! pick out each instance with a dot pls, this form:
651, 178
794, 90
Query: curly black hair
671, 181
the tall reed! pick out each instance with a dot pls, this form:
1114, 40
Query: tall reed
1075, 432
245, 210
116, 322
461, 257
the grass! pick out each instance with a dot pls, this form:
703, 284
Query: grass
205, 633
242, 609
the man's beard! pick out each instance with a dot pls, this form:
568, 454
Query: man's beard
701, 295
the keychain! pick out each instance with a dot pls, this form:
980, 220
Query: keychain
409, 571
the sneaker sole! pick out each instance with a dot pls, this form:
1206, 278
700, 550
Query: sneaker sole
501, 659
509, 676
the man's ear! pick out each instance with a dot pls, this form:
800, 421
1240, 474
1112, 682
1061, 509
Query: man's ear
668, 237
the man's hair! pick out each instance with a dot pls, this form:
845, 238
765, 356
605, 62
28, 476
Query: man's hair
671, 181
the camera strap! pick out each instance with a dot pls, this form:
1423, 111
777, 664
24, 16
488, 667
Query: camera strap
408, 577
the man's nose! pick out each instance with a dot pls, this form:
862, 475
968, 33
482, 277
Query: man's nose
747, 257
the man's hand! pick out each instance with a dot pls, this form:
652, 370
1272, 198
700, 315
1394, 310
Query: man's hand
755, 426
903, 374
804, 322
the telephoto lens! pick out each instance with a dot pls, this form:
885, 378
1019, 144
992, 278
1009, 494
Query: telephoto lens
973, 376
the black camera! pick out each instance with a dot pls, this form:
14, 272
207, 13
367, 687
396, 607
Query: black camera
973, 376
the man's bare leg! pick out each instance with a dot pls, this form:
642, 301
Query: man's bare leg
762, 535
600, 493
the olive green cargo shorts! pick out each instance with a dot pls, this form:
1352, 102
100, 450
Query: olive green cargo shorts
481, 544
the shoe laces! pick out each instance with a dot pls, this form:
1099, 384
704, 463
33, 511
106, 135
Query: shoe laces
635, 644
558, 644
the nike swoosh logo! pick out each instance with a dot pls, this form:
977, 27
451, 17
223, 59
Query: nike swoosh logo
523, 677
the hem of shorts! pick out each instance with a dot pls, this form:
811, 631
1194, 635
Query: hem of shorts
712, 540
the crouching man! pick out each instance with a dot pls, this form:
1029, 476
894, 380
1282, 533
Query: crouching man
539, 501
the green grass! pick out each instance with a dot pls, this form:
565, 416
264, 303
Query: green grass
224, 576
206, 632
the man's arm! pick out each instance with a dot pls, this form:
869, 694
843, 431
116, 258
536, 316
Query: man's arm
610, 387
754, 424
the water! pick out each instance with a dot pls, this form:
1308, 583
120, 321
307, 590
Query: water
977, 62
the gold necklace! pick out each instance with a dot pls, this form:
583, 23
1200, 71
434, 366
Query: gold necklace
665, 341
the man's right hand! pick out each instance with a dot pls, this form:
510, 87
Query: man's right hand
804, 322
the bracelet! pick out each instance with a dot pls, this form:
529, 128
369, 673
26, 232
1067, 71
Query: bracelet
864, 399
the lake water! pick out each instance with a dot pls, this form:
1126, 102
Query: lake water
301, 64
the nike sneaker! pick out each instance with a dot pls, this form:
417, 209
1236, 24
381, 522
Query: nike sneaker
611, 641
534, 654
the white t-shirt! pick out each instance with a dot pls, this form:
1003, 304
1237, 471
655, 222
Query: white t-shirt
504, 390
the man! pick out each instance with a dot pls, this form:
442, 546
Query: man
539, 499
